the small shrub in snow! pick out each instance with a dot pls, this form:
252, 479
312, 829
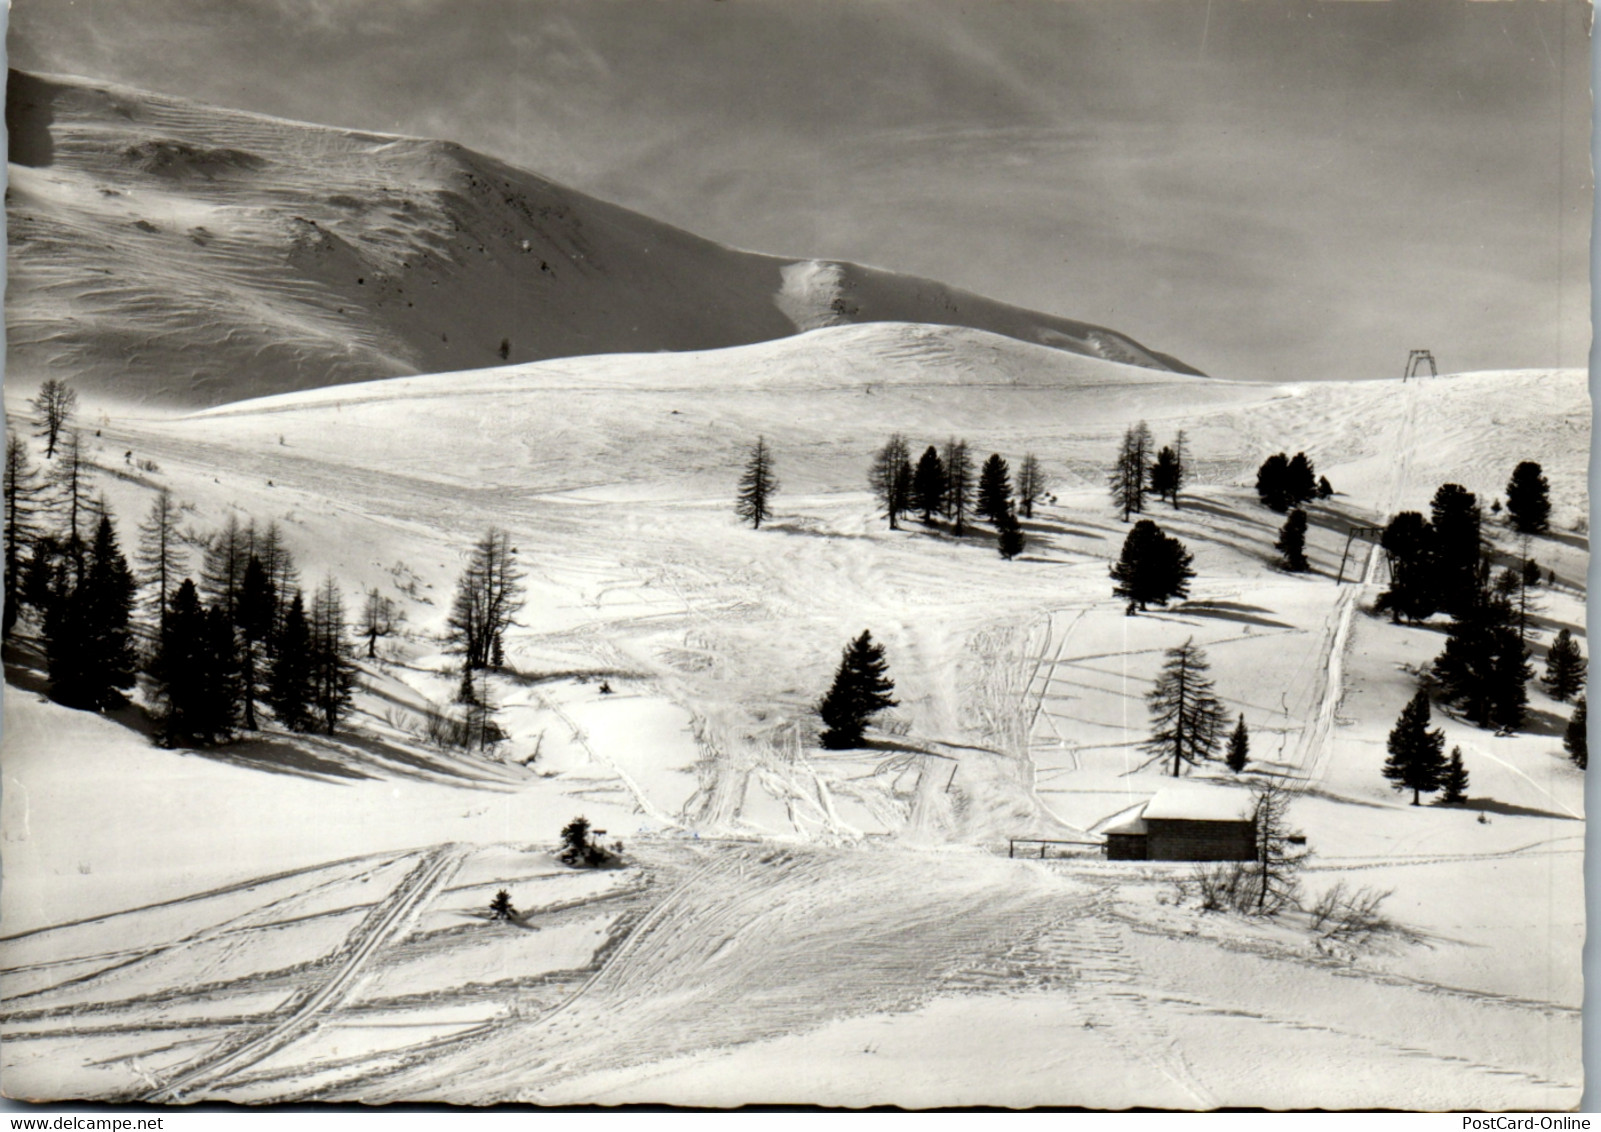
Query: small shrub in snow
1223, 887
500, 908
578, 850
1350, 916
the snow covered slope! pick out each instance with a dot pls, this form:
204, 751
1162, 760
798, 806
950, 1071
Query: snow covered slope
281, 919
167, 252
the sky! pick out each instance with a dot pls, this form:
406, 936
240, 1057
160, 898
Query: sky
1267, 189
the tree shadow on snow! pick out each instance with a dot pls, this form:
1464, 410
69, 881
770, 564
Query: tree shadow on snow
1577, 542
1041, 527
797, 527
277, 756
27, 677
1232, 611
1538, 721
1541, 623
390, 760
1507, 809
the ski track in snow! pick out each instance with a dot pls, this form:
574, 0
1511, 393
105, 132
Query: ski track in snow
742, 946
377, 931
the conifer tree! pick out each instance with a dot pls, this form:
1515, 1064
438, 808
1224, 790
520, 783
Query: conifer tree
1187, 718
1239, 747
1416, 762
488, 597
72, 480
53, 408
275, 558
1272, 483
1181, 466
1300, 480
23, 503
42, 574
1009, 537
253, 618
1324, 489
1279, 849
1128, 476
333, 676
861, 688
89, 642
192, 673
1564, 667
222, 567
1408, 543
890, 477
1483, 666
1576, 737
928, 485
379, 617
1143, 455
1031, 484
500, 908
994, 489
1457, 555
756, 486
289, 678
1292, 542
1165, 476
1528, 498
1151, 568
958, 463
161, 556
1454, 780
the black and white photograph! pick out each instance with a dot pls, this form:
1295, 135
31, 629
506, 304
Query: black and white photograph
847, 553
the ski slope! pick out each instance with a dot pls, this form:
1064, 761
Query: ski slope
290, 919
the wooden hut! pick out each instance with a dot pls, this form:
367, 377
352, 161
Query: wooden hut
1191, 823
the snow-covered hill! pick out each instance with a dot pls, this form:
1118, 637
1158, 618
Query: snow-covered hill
292, 918
167, 252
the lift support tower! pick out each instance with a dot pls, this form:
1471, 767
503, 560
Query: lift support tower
1414, 364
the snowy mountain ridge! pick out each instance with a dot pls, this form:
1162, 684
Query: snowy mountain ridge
171, 253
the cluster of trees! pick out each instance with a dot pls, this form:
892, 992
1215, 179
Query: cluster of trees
216, 652
1283, 482
242, 639
1444, 564
943, 485
1440, 564
1141, 470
